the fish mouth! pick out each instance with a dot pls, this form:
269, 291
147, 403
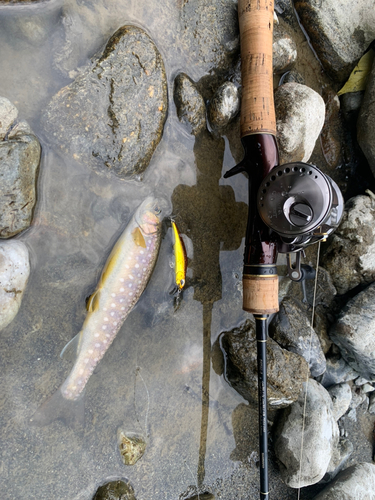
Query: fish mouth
150, 214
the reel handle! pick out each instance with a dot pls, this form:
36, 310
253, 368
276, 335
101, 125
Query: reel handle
256, 34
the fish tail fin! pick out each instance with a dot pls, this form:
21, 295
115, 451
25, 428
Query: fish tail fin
72, 413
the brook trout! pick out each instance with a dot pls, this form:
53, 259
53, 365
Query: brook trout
124, 278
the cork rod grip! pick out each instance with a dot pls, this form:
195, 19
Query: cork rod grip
256, 30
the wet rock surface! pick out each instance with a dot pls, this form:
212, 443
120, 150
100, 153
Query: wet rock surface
320, 438
353, 332
241, 351
19, 162
338, 33
341, 396
354, 483
14, 273
300, 115
111, 116
350, 253
284, 50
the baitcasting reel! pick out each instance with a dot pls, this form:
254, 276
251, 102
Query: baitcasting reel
302, 205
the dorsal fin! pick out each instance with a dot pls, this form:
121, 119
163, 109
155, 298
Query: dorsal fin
138, 237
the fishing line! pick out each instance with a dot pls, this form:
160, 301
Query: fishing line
308, 367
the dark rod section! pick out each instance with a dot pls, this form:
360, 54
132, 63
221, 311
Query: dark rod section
261, 336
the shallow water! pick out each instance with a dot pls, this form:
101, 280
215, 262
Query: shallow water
199, 430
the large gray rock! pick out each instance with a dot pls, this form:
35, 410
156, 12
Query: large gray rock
350, 253
354, 332
19, 162
354, 483
292, 330
240, 346
338, 32
111, 116
300, 115
14, 273
320, 437
366, 122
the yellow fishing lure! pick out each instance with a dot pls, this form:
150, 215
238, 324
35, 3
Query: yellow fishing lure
180, 264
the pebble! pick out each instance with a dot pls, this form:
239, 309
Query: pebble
224, 106
341, 396
191, 109
14, 273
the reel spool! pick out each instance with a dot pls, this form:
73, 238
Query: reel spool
301, 204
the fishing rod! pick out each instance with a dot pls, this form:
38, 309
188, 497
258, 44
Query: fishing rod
290, 206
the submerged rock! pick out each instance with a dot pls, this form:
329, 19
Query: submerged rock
111, 116
354, 483
320, 437
286, 370
14, 273
115, 490
292, 330
19, 162
300, 115
354, 332
132, 447
350, 253
191, 110
338, 33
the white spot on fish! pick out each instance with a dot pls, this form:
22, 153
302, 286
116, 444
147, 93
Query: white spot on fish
96, 334
130, 293
142, 252
104, 327
130, 285
108, 335
121, 300
90, 351
122, 279
104, 308
97, 344
81, 371
122, 308
131, 277
137, 265
112, 313
113, 304
113, 295
86, 360
105, 341
121, 289
114, 323
106, 319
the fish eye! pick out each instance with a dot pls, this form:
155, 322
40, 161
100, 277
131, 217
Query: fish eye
157, 210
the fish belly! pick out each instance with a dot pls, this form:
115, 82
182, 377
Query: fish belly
116, 297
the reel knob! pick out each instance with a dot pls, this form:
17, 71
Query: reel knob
300, 203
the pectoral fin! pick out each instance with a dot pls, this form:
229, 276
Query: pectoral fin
138, 237
70, 351
93, 302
